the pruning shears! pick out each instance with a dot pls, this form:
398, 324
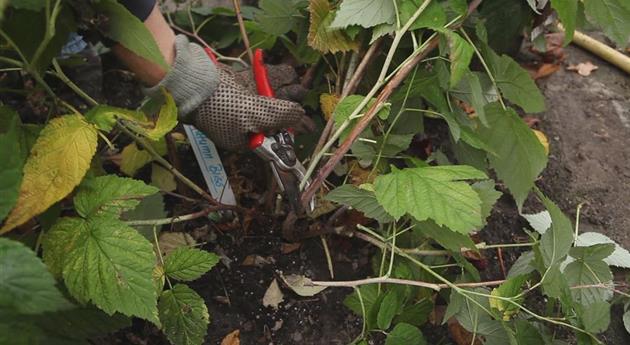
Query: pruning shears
277, 149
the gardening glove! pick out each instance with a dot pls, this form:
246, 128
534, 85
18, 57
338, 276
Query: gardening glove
218, 101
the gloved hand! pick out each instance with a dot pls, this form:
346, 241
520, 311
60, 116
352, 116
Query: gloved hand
219, 102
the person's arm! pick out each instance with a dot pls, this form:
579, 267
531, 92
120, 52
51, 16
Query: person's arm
149, 73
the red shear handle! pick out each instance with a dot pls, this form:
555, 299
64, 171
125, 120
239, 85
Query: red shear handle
260, 75
264, 89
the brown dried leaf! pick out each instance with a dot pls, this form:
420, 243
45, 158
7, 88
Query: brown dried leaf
286, 248
328, 103
583, 68
545, 70
170, 241
233, 338
460, 335
256, 260
273, 296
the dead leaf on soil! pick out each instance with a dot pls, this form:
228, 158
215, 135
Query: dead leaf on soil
273, 296
257, 260
301, 285
583, 68
543, 70
233, 338
286, 248
460, 335
170, 241
543, 140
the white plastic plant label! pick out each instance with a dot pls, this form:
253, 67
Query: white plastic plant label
211, 166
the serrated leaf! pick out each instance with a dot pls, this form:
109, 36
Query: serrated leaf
320, 36
432, 16
366, 13
388, 309
111, 265
162, 178
188, 264
151, 207
126, 29
445, 237
360, 199
613, 16
184, 315
110, 194
437, 193
58, 161
595, 317
620, 256
595, 252
488, 195
582, 274
470, 91
520, 157
556, 241
514, 82
59, 241
346, 107
132, 158
540, 221
567, 12
415, 314
276, 17
166, 121
27, 287
81, 323
13, 155
508, 289
371, 302
104, 117
460, 54
523, 265
525, 333
405, 334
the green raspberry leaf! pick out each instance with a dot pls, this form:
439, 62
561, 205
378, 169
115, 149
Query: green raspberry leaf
567, 12
437, 193
613, 16
405, 334
27, 287
110, 265
188, 264
360, 199
366, 13
13, 155
519, 157
184, 315
514, 82
110, 194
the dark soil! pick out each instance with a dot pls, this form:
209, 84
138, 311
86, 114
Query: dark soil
588, 126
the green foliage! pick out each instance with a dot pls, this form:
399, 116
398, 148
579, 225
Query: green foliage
188, 264
364, 13
438, 193
361, 199
184, 315
128, 30
27, 287
405, 334
612, 16
14, 156
110, 195
519, 157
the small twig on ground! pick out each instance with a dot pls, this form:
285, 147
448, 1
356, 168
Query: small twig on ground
241, 25
328, 257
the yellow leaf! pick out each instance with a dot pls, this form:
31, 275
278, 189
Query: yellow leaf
328, 103
162, 178
543, 140
166, 121
321, 36
58, 161
132, 158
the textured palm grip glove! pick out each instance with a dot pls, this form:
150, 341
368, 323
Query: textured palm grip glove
218, 102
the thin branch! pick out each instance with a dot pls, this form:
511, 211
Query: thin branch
387, 280
241, 25
171, 220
